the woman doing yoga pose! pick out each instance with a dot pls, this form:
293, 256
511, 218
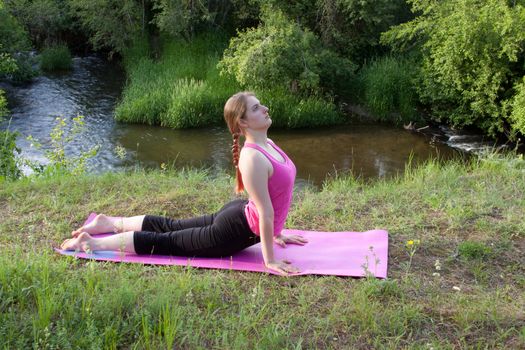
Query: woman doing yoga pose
263, 169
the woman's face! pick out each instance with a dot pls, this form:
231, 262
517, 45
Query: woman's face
256, 117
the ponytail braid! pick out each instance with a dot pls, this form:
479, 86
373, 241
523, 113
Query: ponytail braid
235, 152
234, 111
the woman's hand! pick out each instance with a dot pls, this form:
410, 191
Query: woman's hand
284, 266
292, 239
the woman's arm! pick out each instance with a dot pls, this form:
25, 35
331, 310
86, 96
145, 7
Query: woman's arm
255, 170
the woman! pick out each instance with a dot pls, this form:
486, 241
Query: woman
262, 168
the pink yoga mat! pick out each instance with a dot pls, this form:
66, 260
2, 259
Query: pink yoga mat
354, 254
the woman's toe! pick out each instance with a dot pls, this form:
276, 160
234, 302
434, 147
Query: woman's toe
64, 244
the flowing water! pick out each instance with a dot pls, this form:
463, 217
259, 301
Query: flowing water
93, 87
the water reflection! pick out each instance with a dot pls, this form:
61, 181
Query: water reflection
369, 151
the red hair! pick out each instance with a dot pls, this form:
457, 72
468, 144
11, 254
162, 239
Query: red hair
234, 110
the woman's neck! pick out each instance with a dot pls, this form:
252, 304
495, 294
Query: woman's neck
258, 137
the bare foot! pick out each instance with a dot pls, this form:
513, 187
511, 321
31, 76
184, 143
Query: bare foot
83, 242
101, 224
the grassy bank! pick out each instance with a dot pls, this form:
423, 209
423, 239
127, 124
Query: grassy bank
56, 58
184, 89
476, 301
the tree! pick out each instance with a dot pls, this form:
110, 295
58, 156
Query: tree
113, 24
279, 52
472, 57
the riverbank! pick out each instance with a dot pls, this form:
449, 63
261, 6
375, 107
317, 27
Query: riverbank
184, 89
459, 284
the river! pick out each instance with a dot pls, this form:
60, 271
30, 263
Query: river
93, 87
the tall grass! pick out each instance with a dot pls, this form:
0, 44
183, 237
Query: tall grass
55, 58
388, 90
184, 89
292, 111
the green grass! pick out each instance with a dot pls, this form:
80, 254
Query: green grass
180, 90
184, 89
51, 301
388, 90
55, 58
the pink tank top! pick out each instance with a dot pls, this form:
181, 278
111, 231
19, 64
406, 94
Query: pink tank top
280, 187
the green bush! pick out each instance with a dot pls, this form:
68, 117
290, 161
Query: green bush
471, 250
387, 88
472, 57
280, 53
8, 163
15, 61
518, 108
55, 58
8, 150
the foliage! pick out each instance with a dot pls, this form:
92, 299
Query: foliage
353, 27
55, 57
293, 111
8, 149
472, 57
13, 36
15, 61
59, 161
471, 250
193, 103
7, 63
8, 161
388, 88
45, 20
179, 17
350, 28
182, 89
281, 53
517, 115
113, 24
3, 106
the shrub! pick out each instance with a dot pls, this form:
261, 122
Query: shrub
8, 150
517, 115
55, 58
471, 250
472, 56
280, 53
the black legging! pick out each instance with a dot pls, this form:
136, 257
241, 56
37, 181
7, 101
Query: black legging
221, 234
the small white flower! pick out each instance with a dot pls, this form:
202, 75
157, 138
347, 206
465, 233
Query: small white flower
436, 274
437, 265
456, 288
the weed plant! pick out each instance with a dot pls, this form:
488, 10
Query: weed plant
52, 301
55, 58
